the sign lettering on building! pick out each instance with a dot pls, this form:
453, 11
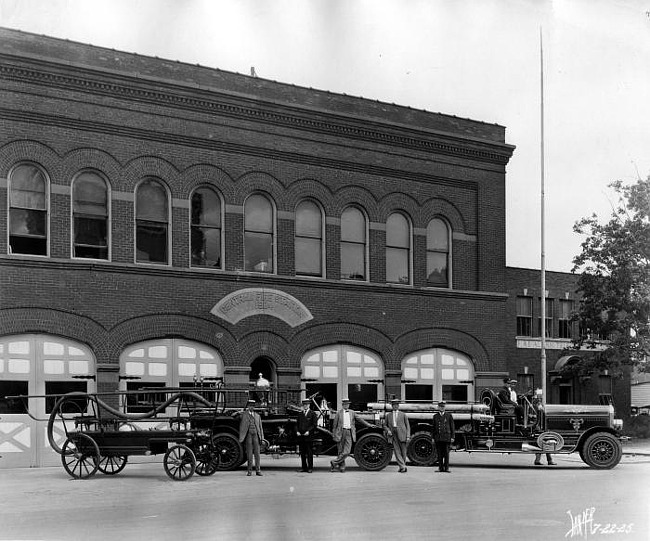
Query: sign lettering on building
261, 301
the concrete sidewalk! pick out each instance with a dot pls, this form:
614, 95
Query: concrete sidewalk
637, 446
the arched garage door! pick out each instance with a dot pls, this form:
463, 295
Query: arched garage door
37, 364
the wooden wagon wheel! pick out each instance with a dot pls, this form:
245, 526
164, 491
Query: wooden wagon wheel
80, 456
112, 465
179, 462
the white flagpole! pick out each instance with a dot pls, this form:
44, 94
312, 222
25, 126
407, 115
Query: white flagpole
543, 255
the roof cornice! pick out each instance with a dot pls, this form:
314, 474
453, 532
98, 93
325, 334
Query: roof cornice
210, 101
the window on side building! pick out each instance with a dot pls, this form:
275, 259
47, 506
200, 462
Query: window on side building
259, 229
524, 316
353, 245
438, 253
152, 222
90, 216
206, 232
548, 318
28, 210
398, 249
565, 325
309, 239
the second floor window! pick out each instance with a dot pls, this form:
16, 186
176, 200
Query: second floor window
398, 249
438, 252
151, 222
565, 325
206, 228
548, 318
524, 316
28, 223
90, 216
258, 234
309, 239
353, 244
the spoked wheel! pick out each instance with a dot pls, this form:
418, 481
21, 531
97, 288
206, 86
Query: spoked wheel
372, 452
421, 451
602, 451
80, 456
229, 451
179, 462
207, 459
111, 465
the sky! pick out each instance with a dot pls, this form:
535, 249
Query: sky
477, 59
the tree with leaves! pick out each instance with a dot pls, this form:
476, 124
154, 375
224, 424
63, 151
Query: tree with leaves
614, 283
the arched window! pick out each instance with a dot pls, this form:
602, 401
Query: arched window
438, 374
206, 228
258, 234
90, 216
151, 222
438, 254
398, 249
353, 245
309, 239
28, 208
343, 371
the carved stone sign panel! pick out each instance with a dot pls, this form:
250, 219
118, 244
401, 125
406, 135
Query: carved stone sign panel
261, 301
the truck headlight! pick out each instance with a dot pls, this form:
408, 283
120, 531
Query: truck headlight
617, 424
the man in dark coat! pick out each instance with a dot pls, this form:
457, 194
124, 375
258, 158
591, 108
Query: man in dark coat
443, 435
305, 428
251, 432
508, 398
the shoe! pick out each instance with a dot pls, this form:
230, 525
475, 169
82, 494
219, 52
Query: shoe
342, 470
301, 471
447, 470
402, 470
537, 463
309, 471
258, 473
249, 474
551, 463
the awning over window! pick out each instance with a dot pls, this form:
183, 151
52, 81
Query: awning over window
567, 359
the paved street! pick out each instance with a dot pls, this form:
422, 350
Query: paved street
485, 497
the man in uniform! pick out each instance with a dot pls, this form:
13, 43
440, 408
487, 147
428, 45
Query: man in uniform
443, 434
251, 431
398, 431
305, 428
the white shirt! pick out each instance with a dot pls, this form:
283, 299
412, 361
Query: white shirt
513, 395
395, 412
346, 419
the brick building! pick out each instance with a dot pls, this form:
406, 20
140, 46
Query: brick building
163, 222
524, 342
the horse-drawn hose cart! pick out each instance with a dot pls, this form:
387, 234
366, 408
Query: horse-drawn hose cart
98, 436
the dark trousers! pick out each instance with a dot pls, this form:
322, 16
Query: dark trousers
306, 446
443, 455
253, 449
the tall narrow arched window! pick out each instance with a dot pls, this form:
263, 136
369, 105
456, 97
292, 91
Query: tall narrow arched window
398, 249
206, 228
438, 254
90, 216
353, 244
151, 223
28, 208
258, 234
309, 239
